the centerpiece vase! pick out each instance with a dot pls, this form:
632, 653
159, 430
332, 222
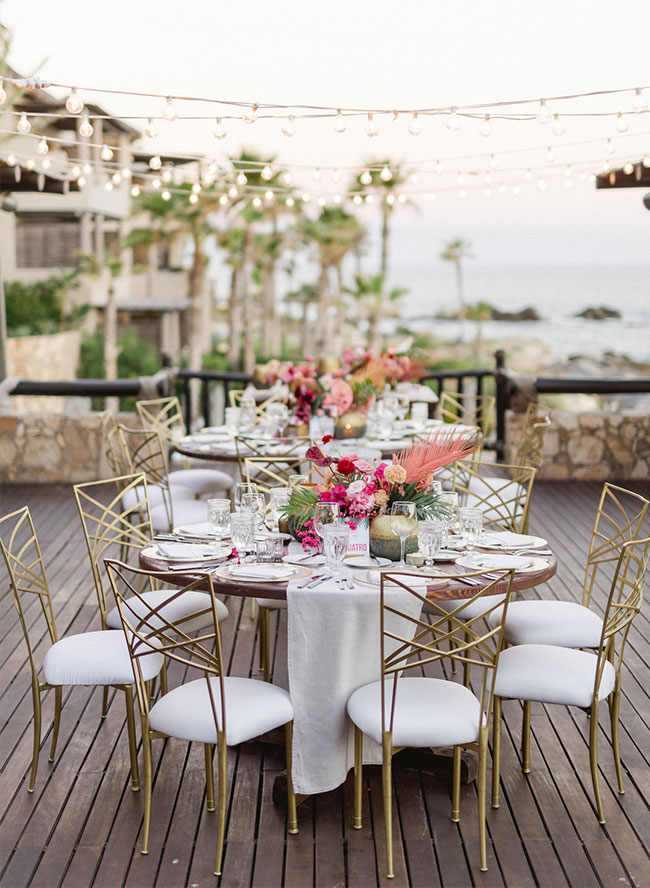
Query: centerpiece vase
350, 425
384, 543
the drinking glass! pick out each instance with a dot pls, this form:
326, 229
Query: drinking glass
419, 413
241, 488
278, 499
297, 480
471, 525
247, 414
403, 404
436, 487
403, 522
242, 531
430, 534
336, 538
231, 419
391, 403
219, 517
324, 514
255, 504
450, 502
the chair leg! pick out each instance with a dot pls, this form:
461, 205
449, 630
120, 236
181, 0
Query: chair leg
163, 680
455, 785
146, 756
58, 694
253, 608
264, 622
133, 746
453, 662
209, 777
525, 738
358, 777
614, 710
221, 776
482, 779
496, 751
593, 759
105, 701
387, 786
292, 814
36, 698
466, 667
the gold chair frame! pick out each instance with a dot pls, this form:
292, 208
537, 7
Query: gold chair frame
147, 455
162, 414
235, 396
118, 457
535, 424
465, 644
203, 653
623, 604
467, 409
509, 504
27, 577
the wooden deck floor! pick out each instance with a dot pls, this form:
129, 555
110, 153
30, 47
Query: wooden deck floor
81, 826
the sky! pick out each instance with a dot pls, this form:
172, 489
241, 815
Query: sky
385, 54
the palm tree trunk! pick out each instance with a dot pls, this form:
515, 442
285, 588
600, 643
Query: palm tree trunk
461, 297
110, 342
341, 314
247, 306
197, 298
385, 213
305, 334
323, 309
235, 319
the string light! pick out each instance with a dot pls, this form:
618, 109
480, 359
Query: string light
452, 122
167, 175
170, 112
194, 198
401, 198
232, 192
108, 186
357, 199
289, 127
646, 161
290, 202
321, 201
85, 127
606, 167
628, 169
150, 130
502, 189
493, 162
196, 188
126, 172
267, 173
639, 104
541, 184
74, 104
385, 175
257, 202
305, 197
390, 199
87, 169
75, 172
488, 178
241, 179
268, 195
337, 198
413, 178
558, 127
485, 128
568, 172
371, 127
336, 176
219, 130
543, 115
462, 194
11, 160
286, 178
316, 175
460, 179
42, 148
621, 123
365, 178
116, 178
81, 182
156, 183
46, 164
155, 162
223, 200
528, 175
550, 155
23, 126
415, 127
250, 115
369, 198
106, 153
30, 164
610, 147
438, 168
339, 124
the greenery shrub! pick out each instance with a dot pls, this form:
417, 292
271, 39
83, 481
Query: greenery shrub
39, 307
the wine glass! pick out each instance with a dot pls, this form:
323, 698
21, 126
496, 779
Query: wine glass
450, 503
242, 488
324, 514
336, 538
219, 517
403, 522
297, 480
279, 498
471, 526
255, 504
430, 534
242, 531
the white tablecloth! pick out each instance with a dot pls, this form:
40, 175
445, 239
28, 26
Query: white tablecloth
333, 649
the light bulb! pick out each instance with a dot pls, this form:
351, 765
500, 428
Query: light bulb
289, 127
582, 176
125, 172
357, 199
485, 128
385, 174
628, 169
369, 198
365, 178
452, 119
558, 127
317, 175
646, 161
42, 147
167, 175
502, 189
528, 175
541, 184
462, 194
219, 130
592, 178
166, 195
106, 153
256, 202
250, 114
639, 104
232, 191
196, 188
337, 198
156, 183
194, 198
438, 168
85, 127
223, 200
305, 197
371, 127
487, 192
46, 164
268, 195
286, 178
135, 191
568, 172
459, 178
606, 167
155, 162
413, 178
75, 172
3, 94
568, 182
290, 202
116, 178
621, 123
267, 173
550, 156
390, 199
488, 178
516, 189
321, 201
108, 186
81, 182
73, 103
241, 178
401, 198
336, 176
543, 115
493, 162
23, 126
415, 127
87, 169
610, 147
150, 129
170, 112
340, 125
11, 160
30, 164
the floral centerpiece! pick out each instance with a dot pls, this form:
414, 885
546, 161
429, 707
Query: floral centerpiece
364, 490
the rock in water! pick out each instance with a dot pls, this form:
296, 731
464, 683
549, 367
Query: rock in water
599, 313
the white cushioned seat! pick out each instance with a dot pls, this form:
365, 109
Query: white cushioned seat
428, 712
190, 602
155, 494
562, 623
252, 708
185, 512
548, 674
488, 490
273, 603
475, 608
202, 481
95, 658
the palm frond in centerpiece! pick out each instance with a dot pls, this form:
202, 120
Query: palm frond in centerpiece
422, 458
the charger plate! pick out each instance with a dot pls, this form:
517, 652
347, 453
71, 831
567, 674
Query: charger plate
229, 572
536, 564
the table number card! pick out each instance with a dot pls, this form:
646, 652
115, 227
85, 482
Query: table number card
359, 543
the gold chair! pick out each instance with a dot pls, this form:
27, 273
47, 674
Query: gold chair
399, 712
212, 709
502, 492
468, 409
566, 676
88, 659
534, 426
118, 457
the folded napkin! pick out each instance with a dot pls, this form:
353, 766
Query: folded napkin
496, 562
261, 572
185, 551
507, 539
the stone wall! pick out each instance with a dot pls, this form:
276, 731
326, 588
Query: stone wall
53, 357
41, 448
594, 446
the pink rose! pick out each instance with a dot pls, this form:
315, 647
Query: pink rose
363, 466
356, 487
340, 395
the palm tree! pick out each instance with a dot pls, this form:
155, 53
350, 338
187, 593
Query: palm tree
91, 265
383, 187
455, 251
369, 294
307, 295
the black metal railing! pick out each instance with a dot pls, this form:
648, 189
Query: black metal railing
208, 379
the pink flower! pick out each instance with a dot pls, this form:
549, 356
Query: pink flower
363, 466
316, 455
340, 395
395, 474
356, 487
362, 503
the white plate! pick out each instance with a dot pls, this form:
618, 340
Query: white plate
373, 578
445, 555
306, 560
263, 535
173, 553
506, 541
533, 563
268, 573
200, 530
364, 562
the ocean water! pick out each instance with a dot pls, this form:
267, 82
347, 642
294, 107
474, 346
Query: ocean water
557, 292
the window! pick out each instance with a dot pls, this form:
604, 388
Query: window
47, 242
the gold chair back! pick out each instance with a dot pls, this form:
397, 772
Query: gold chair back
107, 523
290, 449
163, 415
468, 409
502, 492
118, 458
147, 455
235, 396
271, 471
531, 441
619, 520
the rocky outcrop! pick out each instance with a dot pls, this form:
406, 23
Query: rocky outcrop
526, 314
599, 313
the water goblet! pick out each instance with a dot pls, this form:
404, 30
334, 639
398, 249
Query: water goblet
241, 488
256, 505
450, 503
430, 534
325, 513
471, 526
297, 480
242, 531
219, 517
336, 538
231, 419
279, 498
403, 521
